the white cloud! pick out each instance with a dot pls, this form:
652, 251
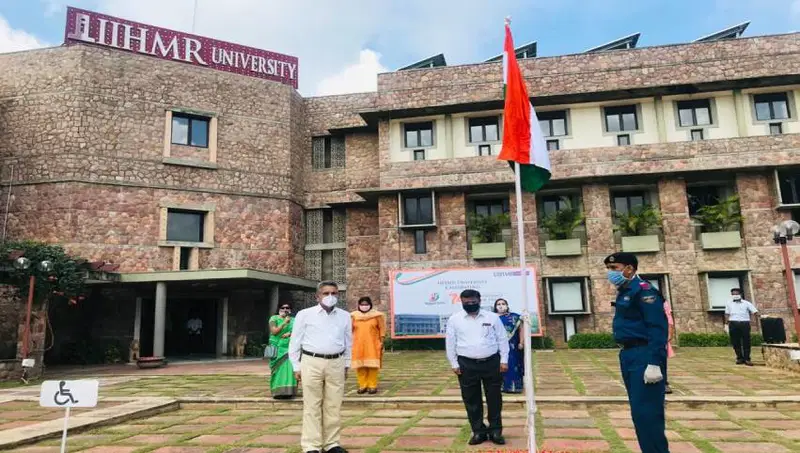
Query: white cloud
326, 35
14, 40
356, 78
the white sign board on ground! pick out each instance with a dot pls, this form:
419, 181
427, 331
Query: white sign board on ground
423, 300
82, 393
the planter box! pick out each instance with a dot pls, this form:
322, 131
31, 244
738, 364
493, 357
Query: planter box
486, 251
563, 247
721, 240
151, 362
640, 244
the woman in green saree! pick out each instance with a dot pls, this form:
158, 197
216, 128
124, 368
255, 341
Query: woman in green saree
282, 383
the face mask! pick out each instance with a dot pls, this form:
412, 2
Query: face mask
329, 301
363, 308
471, 308
502, 309
737, 297
617, 278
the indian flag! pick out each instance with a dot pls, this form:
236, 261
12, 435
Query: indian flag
523, 142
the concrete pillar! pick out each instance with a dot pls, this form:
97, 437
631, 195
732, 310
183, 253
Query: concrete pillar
274, 295
222, 327
137, 320
740, 105
660, 120
160, 324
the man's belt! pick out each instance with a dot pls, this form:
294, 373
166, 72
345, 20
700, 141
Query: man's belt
485, 359
633, 344
323, 356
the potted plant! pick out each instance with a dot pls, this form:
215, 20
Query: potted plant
636, 226
559, 226
487, 236
721, 223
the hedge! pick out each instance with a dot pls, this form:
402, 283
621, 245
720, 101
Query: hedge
704, 340
592, 341
437, 344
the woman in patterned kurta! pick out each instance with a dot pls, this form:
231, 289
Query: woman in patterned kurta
369, 329
512, 379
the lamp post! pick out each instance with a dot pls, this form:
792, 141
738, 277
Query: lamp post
783, 233
23, 263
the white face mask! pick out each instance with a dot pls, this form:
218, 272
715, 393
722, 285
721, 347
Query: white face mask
737, 297
329, 301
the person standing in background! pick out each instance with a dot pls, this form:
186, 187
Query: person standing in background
369, 330
737, 325
512, 379
282, 383
670, 351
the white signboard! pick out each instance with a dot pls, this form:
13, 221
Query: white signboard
65, 394
423, 300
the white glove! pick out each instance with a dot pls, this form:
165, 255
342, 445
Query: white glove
652, 374
727, 330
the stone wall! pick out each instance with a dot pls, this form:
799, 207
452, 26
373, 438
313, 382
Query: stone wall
778, 356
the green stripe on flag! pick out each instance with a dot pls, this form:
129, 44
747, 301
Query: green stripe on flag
532, 178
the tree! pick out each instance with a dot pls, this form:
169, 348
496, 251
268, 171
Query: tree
64, 281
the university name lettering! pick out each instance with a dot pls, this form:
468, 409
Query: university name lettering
87, 27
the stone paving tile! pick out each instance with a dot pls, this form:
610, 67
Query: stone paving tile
749, 447
437, 443
111, 449
150, 439
180, 450
725, 435
710, 424
215, 439
572, 432
674, 447
572, 445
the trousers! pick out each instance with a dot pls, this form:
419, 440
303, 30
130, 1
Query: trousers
485, 373
367, 378
740, 339
646, 400
323, 389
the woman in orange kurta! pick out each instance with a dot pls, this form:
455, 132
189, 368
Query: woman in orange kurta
369, 328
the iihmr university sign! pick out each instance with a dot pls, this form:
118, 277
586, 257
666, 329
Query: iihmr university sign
98, 29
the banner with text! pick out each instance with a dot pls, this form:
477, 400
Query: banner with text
423, 300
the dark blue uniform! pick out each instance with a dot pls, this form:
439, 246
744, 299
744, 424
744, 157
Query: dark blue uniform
640, 326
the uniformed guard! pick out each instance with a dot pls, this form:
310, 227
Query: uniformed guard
640, 328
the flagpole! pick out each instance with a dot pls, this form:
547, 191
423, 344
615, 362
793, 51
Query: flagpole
530, 402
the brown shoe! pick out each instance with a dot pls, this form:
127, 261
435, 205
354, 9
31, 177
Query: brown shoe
372, 391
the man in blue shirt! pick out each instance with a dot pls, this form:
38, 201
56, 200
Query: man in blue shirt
640, 328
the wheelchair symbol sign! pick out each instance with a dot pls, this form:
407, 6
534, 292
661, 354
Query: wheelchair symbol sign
81, 393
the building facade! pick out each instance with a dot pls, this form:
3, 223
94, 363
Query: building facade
219, 194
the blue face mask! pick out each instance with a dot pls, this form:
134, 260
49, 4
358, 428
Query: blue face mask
617, 278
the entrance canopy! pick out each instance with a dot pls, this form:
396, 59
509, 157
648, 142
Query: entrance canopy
286, 281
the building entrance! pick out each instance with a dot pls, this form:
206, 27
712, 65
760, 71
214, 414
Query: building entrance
191, 327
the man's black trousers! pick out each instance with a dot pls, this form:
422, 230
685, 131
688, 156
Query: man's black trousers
486, 373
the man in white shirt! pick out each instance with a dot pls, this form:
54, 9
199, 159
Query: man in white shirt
737, 324
477, 349
320, 349
194, 328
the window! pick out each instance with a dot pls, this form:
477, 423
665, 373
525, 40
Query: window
327, 152
694, 113
553, 124
719, 289
627, 202
418, 210
327, 226
190, 130
419, 154
699, 196
186, 254
484, 150
551, 204
775, 129
773, 106
697, 134
420, 247
419, 134
622, 118
797, 287
185, 226
567, 295
659, 282
490, 207
552, 145
483, 129
789, 186
327, 265
623, 140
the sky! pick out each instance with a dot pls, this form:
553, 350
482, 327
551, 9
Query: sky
343, 44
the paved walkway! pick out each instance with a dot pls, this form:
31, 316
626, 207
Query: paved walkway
245, 421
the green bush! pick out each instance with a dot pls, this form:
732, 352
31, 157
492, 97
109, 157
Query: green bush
592, 341
713, 340
437, 344
256, 342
